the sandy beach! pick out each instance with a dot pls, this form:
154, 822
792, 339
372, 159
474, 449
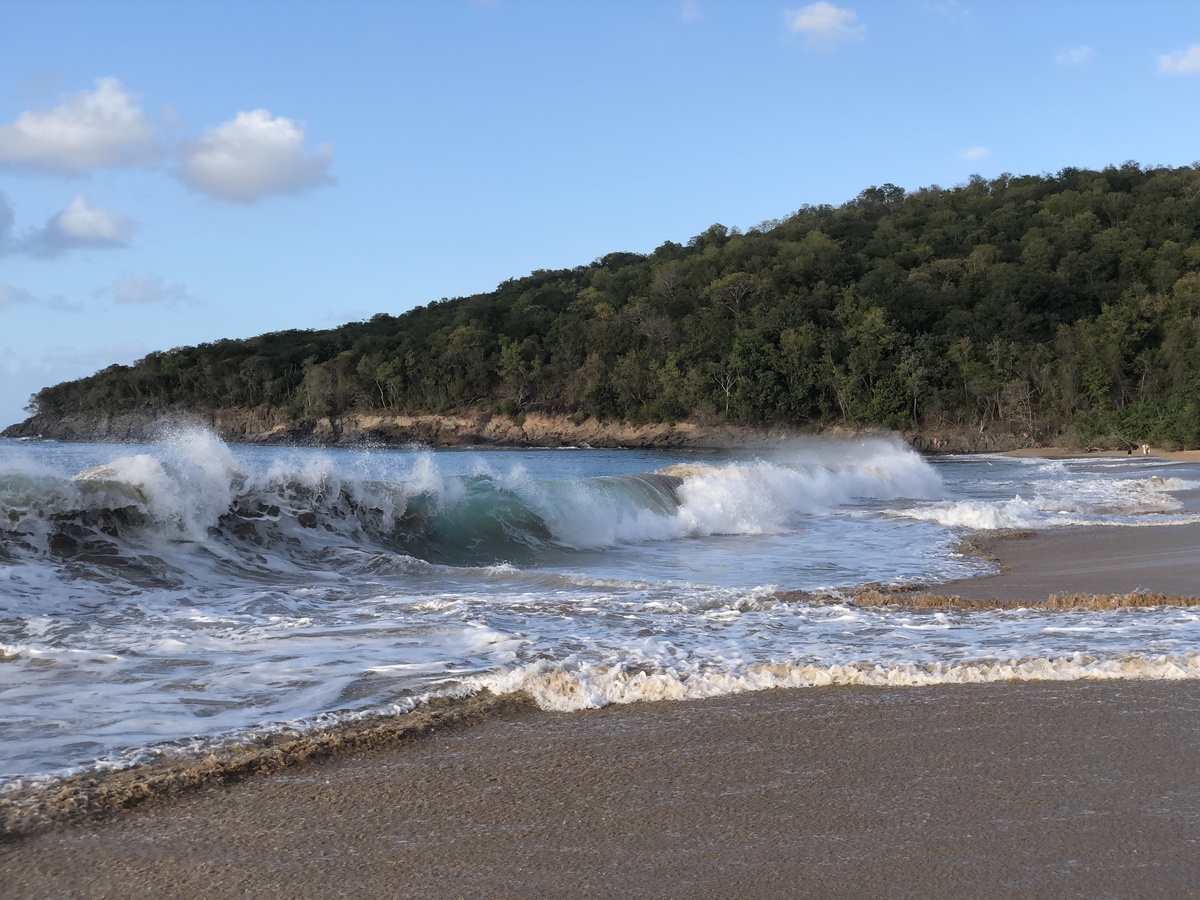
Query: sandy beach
1076, 789
1089, 561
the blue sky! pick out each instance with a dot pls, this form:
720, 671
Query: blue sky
176, 173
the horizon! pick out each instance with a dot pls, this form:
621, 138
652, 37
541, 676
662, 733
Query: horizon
154, 195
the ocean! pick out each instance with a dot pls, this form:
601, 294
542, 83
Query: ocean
176, 596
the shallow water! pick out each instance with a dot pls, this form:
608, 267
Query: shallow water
159, 596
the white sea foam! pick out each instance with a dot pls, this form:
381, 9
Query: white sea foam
738, 498
257, 587
565, 690
1059, 498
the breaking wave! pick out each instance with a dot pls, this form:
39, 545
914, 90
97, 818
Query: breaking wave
119, 515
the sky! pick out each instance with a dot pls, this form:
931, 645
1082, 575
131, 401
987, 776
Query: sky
175, 173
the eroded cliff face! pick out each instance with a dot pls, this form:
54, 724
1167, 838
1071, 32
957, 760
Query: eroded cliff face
357, 429
143, 427
265, 426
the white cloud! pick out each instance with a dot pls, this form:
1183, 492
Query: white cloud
976, 154
92, 129
130, 290
79, 227
1075, 56
253, 156
825, 26
81, 222
1181, 62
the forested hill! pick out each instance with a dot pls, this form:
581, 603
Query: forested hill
1036, 301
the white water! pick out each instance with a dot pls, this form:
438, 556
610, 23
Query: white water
193, 590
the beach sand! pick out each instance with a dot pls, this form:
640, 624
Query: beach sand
1078, 789
1071, 790
1160, 559
1066, 453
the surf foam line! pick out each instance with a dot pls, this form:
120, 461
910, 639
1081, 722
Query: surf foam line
561, 689
1097, 501
31, 804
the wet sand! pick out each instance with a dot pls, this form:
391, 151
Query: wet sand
1158, 559
1066, 453
1161, 559
1076, 790
1079, 789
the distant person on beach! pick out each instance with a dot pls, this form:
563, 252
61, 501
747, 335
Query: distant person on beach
1145, 449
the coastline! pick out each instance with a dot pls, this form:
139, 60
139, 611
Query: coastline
1067, 453
1082, 560
1091, 560
1003, 789
482, 429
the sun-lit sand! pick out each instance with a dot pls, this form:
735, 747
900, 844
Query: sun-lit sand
1064, 453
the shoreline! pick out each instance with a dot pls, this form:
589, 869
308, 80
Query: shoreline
485, 429
1067, 453
1156, 565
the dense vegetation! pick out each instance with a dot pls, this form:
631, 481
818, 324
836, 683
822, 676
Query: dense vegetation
1040, 301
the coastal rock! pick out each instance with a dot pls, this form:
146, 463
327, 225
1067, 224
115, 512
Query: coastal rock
264, 425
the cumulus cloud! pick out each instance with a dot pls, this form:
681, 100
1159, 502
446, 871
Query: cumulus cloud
825, 26
93, 129
1075, 56
976, 154
78, 227
131, 290
1181, 62
253, 156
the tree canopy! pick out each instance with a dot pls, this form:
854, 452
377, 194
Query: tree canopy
1034, 300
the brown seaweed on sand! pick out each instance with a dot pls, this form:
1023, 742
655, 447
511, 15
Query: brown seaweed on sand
1053, 602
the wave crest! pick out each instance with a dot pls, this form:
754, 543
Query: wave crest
192, 489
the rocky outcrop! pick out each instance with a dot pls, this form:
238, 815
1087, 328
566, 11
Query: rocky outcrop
374, 428
265, 426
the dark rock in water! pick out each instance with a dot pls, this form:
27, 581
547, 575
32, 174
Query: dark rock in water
247, 532
307, 519
63, 545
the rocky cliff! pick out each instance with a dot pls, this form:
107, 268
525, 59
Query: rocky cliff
263, 426
266, 426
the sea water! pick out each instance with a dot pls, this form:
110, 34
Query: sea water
187, 592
